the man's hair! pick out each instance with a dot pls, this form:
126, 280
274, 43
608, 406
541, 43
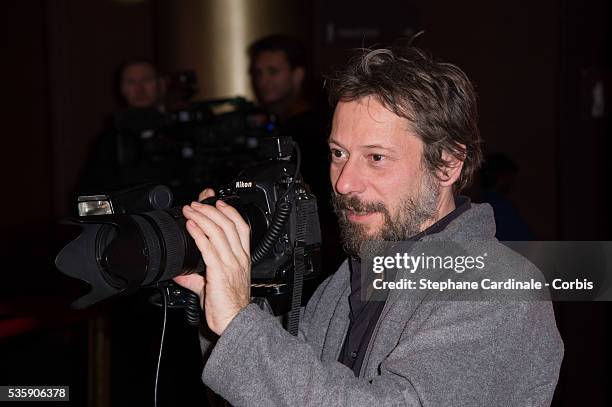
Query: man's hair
436, 98
292, 47
120, 71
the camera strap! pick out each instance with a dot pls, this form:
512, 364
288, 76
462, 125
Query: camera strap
304, 211
298, 281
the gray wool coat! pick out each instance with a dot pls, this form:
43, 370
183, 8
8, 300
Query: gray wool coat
446, 352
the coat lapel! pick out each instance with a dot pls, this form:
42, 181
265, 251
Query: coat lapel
393, 320
397, 313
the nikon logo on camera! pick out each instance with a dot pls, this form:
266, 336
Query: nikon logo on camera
242, 184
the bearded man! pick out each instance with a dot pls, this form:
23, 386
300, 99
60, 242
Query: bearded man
404, 141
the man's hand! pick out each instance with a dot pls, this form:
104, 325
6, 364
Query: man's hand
223, 238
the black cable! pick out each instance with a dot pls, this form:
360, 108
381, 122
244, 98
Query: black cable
298, 163
281, 215
161, 344
193, 311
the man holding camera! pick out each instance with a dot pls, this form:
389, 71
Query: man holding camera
404, 142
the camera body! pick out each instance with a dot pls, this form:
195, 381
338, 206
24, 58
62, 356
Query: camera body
257, 193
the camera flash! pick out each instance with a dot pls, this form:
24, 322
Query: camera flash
94, 205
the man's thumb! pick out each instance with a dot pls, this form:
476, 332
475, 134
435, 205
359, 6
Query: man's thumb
193, 282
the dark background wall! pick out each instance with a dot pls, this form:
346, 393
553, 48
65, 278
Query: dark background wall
534, 65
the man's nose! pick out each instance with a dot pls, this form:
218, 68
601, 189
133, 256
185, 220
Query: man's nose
350, 179
262, 80
139, 87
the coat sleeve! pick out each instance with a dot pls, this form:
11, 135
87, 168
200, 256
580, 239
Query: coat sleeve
464, 353
208, 338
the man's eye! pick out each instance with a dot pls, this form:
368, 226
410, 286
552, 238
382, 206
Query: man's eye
335, 153
377, 157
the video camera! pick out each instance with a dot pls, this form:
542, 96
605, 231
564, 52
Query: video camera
198, 144
134, 238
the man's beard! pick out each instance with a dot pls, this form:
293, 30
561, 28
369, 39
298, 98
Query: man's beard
412, 213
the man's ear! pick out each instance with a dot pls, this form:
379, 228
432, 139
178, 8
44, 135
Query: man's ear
451, 172
297, 76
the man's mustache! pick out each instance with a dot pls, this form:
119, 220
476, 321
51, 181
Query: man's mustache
352, 203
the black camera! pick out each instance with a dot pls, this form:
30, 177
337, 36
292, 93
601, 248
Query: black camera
134, 237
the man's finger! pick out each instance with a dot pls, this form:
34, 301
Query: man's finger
209, 253
193, 282
214, 233
227, 224
207, 193
243, 230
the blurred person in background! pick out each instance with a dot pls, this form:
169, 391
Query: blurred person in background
120, 154
278, 74
140, 85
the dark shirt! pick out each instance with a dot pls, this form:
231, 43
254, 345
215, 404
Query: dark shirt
365, 314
